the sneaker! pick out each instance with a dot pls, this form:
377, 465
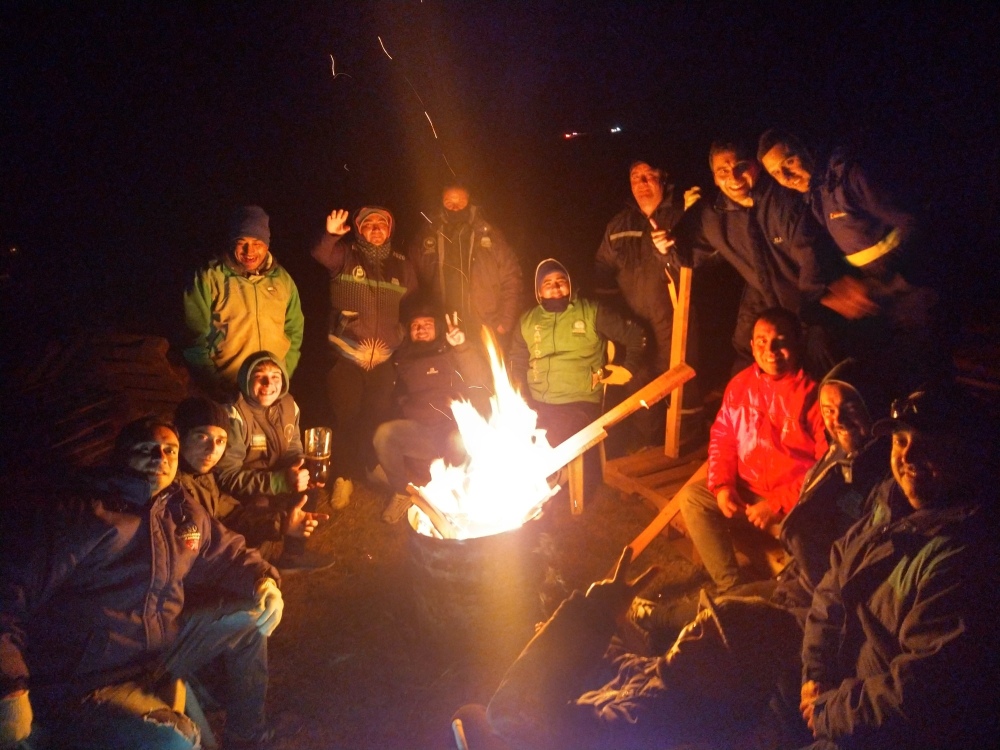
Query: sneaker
397, 508
341, 496
303, 562
377, 477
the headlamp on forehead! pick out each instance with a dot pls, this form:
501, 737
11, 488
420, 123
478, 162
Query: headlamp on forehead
925, 411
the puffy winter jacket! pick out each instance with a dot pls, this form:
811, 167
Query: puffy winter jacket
767, 435
231, 315
430, 377
902, 628
627, 260
472, 269
855, 211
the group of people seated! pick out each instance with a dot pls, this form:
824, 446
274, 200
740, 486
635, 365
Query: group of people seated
169, 561
876, 634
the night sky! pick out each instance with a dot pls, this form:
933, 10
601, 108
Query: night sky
130, 131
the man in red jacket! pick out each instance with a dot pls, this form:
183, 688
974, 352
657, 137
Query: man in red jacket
767, 434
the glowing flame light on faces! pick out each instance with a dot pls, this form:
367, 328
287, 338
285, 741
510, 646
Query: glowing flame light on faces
503, 483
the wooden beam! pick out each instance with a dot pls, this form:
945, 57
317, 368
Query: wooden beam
678, 353
665, 516
654, 391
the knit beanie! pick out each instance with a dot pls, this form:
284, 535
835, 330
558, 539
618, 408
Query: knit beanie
366, 211
199, 412
419, 306
250, 221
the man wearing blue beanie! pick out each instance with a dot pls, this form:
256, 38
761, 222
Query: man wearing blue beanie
241, 302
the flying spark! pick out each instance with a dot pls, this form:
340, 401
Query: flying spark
383, 48
333, 70
448, 165
426, 217
432, 124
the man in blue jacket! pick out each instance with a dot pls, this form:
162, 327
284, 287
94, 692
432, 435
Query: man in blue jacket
94, 625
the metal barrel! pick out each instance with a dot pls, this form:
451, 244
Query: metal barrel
477, 593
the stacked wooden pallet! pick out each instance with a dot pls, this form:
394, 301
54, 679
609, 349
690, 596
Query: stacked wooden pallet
67, 406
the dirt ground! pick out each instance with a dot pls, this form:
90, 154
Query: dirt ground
353, 667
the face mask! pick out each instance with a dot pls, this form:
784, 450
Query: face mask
555, 305
457, 217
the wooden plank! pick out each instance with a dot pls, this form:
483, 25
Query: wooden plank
643, 462
678, 353
575, 469
670, 477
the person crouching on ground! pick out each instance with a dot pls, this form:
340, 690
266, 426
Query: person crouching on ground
263, 461
202, 425
767, 435
95, 625
433, 368
559, 352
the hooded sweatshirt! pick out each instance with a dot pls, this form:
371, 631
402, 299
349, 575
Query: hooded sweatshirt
263, 441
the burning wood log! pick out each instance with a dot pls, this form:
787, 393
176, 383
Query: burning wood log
444, 527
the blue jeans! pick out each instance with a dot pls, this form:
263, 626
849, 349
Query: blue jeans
134, 714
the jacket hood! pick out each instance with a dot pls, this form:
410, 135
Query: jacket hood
119, 483
546, 267
243, 378
863, 381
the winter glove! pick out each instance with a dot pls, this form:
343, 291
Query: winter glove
269, 606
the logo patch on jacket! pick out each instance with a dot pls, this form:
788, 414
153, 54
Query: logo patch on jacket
189, 535
579, 328
778, 240
358, 272
258, 441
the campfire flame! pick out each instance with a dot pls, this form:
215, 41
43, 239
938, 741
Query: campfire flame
503, 483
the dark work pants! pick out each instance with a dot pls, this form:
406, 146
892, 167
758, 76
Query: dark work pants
132, 714
360, 402
561, 421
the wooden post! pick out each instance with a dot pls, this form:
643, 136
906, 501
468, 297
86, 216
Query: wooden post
678, 352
